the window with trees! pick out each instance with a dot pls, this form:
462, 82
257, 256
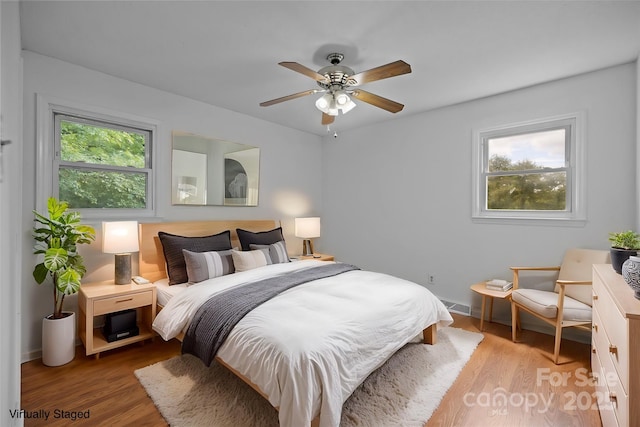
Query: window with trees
529, 171
101, 164
97, 160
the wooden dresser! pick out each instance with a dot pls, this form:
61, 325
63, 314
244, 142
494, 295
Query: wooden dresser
615, 348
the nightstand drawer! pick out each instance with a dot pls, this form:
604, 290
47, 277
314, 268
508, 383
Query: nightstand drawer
122, 302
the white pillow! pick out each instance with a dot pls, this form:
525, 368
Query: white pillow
248, 260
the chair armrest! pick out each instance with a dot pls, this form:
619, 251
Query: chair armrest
573, 282
554, 268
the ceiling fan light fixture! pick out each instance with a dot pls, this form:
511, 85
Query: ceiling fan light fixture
341, 98
334, 103
348, 106
324, 103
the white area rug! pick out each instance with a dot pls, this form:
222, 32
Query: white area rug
403, 392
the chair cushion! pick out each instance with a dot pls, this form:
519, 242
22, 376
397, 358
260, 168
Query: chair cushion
546, 304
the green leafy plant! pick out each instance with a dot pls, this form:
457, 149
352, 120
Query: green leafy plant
629, 240
57, 235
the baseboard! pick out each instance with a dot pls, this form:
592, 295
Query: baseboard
572, 334
456, 307
32, 355
37, 354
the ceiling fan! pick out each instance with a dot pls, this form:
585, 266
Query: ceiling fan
339, 83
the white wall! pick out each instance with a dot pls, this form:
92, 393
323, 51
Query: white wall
10, 199
397, 196
290, 165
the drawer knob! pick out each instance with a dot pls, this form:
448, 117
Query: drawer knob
125, 300
613, 349
612, 397
595, 297
595, 327
593, 350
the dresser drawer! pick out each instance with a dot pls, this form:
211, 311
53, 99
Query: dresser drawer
609, 409
123, 302
615, 328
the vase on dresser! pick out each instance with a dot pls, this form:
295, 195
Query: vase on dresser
631, 274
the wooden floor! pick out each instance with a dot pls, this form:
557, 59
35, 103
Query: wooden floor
504, 384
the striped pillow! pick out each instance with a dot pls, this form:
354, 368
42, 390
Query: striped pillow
207, 265
277, 251
248, 260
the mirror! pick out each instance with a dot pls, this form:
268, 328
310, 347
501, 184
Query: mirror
207, 171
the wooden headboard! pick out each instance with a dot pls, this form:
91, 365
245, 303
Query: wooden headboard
151, 257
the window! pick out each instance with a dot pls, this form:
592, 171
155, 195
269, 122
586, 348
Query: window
529, 171
101, 164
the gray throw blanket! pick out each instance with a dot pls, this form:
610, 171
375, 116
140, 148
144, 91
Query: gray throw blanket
215, 319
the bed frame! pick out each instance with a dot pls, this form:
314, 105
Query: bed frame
152, 263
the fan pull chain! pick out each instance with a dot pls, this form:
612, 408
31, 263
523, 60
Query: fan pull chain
335, 134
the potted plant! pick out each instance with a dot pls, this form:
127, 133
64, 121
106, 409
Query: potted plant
623, 245
57, 235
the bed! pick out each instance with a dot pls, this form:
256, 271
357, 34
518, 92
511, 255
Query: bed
307, 349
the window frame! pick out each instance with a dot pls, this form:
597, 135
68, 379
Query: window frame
575, 213
49, 158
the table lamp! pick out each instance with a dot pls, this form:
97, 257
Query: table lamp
307, 229
120, 238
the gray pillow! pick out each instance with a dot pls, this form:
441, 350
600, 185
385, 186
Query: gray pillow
172, 246
277, 251
207, 265
258, 238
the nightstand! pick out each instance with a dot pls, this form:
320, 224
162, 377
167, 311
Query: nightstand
100, 298
318, 257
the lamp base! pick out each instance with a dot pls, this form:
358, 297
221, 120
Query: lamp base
123, 269
307, 247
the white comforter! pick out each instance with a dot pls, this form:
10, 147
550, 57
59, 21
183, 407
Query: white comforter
309, 348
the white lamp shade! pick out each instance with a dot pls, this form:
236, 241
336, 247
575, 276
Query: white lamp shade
308, 228
119, 237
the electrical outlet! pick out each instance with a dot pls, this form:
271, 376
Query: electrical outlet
431, 279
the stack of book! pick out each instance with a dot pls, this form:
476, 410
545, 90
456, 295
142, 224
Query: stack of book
499, 285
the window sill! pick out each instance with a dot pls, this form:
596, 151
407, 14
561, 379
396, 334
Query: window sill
555, 222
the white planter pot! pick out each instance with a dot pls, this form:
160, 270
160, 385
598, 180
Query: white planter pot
58, 340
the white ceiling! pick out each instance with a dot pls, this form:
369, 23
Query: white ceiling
225, 53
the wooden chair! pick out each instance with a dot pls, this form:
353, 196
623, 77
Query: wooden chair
569, 303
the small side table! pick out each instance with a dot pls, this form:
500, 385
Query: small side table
481, 288
318, 257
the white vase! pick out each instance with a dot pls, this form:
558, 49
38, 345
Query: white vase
631, 274
59, 339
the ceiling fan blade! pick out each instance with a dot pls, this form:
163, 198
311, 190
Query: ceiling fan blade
327, 119
299, 68
378, 101
382, 72
288, 97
